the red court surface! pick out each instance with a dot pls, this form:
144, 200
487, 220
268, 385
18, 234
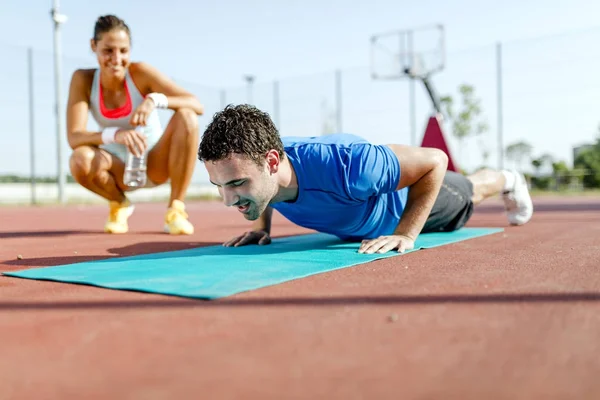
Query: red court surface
514, 315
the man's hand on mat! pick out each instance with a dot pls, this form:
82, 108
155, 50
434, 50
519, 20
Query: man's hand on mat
253, 237
383, 244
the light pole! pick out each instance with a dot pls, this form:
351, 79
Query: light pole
58, 19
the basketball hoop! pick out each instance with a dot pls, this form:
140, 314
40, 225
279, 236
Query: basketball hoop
414, 54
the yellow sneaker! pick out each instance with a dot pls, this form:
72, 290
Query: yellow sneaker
117, 218
176, 222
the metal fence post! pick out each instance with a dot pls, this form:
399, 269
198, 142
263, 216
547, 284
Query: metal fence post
31, 125
58, 19
276, 105
500, 122
338, 100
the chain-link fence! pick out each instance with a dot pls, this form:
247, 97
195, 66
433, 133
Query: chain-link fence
544, 91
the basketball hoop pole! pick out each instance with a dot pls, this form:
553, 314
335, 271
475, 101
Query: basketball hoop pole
415, 54
435, 100
423, 76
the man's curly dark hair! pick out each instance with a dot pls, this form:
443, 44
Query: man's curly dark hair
241, 129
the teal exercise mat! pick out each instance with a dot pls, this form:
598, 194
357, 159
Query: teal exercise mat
216, 271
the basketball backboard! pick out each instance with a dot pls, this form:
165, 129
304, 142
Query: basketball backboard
412, 53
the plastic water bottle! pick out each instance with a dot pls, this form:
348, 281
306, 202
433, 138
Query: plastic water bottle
135, 168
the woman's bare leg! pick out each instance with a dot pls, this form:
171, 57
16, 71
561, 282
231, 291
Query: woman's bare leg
174, 156
99, 171
102, 173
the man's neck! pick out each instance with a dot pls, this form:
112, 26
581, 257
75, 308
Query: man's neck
288, 182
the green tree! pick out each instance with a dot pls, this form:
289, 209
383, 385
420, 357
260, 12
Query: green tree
518, 152
589, 160
538, 163
468, 121
561, 173
538, 181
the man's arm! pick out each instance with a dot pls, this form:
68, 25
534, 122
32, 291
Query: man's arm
422, 169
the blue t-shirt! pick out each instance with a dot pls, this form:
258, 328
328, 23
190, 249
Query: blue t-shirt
346, 186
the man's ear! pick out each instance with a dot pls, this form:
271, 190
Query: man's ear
93, 45
272, 160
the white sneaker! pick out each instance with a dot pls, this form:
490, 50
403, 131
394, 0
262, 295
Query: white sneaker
517, 202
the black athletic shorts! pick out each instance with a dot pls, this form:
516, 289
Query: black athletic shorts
453, 206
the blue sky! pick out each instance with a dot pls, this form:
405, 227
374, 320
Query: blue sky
211, 45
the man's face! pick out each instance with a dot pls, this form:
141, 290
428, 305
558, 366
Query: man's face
244, 184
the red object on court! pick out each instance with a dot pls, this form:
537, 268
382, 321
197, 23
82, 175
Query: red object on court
434, 137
